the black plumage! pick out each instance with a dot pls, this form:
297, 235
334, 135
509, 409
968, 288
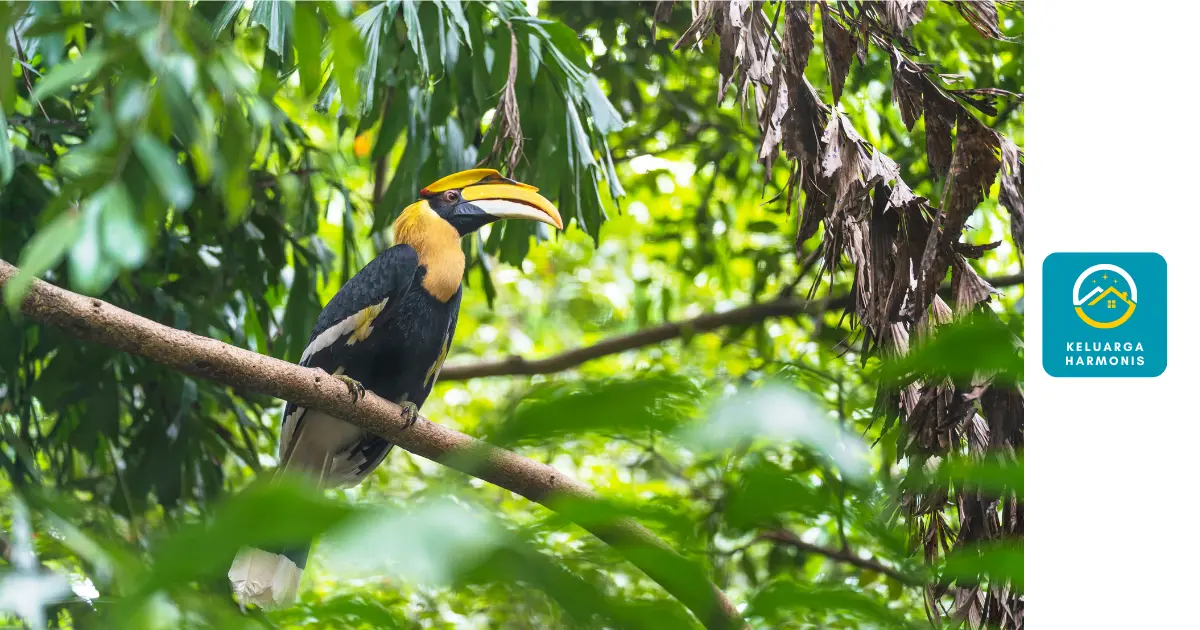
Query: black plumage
387, 330
395, 353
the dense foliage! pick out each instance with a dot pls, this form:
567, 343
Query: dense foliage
223, 167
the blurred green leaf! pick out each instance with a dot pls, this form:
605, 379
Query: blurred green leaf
61, 78
43, 252
6, 156
455, 8
782, 598
370, 26
348, 57
654, 402
777, 413
276, 18
270, 513
767, 491
607, 511
229, 11
416, 37
993, 351
999, 562
164, 168
997, 474
395, 117
308, 31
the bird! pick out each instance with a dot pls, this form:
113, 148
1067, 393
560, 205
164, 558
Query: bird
387, 330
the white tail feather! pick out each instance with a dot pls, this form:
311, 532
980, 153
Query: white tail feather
264, 578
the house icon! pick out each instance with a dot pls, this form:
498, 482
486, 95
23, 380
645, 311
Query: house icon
1112, 302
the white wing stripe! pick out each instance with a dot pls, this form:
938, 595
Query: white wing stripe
359, 323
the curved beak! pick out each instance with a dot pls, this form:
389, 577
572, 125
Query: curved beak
514, 200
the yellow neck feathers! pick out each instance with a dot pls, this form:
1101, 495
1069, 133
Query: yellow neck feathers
437, 245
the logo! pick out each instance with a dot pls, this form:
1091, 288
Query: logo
1104, 314
1105, 289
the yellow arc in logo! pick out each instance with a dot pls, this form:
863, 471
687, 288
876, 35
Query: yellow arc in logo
1113, 324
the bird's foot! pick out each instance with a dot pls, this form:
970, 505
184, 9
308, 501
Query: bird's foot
411, 413
357, 391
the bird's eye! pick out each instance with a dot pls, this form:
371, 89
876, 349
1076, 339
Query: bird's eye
450, 196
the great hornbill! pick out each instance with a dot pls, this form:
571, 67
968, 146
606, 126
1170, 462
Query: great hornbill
387, 330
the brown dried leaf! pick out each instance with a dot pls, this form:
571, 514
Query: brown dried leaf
973, 171
730, 24
907, 79
662, 13
968, 287
1004, 409
507, 120
1012, 188
840, 47
941, 112
902, 196
705, 15
982, 15
831, 158
663, 9
797, 39
772, 122
901, 15
759, 56
803, 123
881, 169
817, 204
974, 252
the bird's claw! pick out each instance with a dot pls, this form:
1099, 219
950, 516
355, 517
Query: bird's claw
357, 391
411, 413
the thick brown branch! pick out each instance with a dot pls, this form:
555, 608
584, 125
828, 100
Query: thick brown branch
749, 314
94, 320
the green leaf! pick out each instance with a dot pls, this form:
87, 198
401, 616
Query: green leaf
91, 270
779, 414
999, 562
782, 599
164, 168
659, 402
370, 27
123, 237
766, 490
6, 156
228, 11
8, 93
565, 41
301, 310
993, 347
270, 513
276, 18
606, 511
348, 56
395, 117
43, 252
996, 474
308, 53
455, 8
605, 118
62, 77
416, 38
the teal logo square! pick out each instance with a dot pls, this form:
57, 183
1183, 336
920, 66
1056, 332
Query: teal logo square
1104, 314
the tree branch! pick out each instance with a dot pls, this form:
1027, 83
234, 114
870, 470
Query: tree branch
786, 537
749, 314
94, 320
